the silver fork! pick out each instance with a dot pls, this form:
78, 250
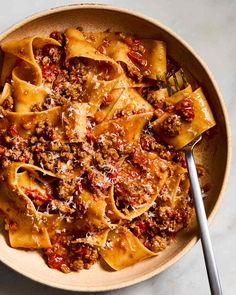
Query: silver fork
212, 272
210, 262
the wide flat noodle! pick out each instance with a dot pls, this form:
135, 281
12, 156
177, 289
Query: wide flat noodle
125, 98
23, 50
174, 198
123, 249
129, 102
26, 94
202, 121
7, 91
172, 184
179, 95
156, 52
27, 227
118, 50
7, 67
158, 169
131, 127
26, 73
70, 121
74, 121
96, 88
26, 181
106, 183
77, 46
97, 239
94, 218
97, 91
104, 110
161, 95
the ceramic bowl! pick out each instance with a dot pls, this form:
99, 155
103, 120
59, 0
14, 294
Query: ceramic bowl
214, 153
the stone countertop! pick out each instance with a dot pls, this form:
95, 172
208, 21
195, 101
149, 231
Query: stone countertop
209, 26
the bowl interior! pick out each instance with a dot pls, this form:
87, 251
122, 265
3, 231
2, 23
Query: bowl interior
210, 154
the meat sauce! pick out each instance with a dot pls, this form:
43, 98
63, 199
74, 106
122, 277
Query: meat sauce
37, 197
132, 187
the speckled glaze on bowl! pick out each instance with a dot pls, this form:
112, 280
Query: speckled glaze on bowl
214, 154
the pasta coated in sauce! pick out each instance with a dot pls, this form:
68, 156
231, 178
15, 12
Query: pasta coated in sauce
90, 147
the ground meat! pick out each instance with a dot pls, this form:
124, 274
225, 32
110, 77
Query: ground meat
154, 99
156, 227
150, 142
67, 256
59, 36
168, 107
66, 189
46, 160
52, 53
185, 109
60, 158
134, 186
109, 141
98, 181
128, 112
14, 148
84, 254
65, 81
180, 159
171, 126
16, 155
147, 230
99, 162
61, 206
156, 243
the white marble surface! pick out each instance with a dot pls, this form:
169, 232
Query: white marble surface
210, 27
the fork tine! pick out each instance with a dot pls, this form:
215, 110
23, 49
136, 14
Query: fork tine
176, 82
168, 86
183, 77
192, 144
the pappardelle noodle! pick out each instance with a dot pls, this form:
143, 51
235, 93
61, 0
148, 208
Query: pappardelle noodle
91, 165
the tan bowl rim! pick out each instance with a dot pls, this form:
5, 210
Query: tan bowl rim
227, 124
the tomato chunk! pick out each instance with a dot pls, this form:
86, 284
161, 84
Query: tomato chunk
138, 58
55, 261
142, 226
37, 197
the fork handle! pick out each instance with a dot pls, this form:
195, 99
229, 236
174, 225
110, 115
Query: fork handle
210, 262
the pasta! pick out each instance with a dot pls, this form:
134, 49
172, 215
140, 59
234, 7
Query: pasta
91, 165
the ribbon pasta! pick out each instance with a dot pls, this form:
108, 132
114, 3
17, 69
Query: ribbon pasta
90, 146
